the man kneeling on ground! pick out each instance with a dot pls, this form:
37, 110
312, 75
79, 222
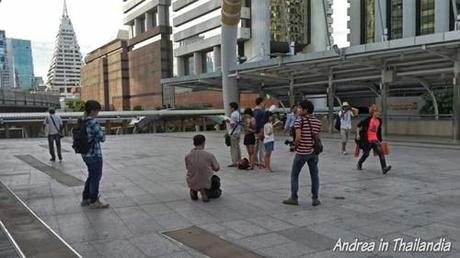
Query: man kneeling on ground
201, 166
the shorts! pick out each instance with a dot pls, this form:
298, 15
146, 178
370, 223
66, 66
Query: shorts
249, 139
345, 134
269, 146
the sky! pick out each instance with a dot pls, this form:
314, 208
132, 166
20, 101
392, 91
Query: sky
95, 22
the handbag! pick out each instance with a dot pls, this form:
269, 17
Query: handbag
58, 129
385, 149
317, 144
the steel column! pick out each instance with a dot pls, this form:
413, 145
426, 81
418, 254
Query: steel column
330, 101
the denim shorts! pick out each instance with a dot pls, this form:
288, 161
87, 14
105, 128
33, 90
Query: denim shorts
269, 146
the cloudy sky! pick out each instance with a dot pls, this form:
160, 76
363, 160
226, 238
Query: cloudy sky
95, 22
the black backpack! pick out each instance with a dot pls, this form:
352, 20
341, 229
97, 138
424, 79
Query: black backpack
80, 137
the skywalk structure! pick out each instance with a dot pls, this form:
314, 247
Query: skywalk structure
64, 71
398, 48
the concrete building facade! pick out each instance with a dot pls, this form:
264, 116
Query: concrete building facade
4, 65
65, 67
381, 20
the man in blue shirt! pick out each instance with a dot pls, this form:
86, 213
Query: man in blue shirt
93, 159
259, 113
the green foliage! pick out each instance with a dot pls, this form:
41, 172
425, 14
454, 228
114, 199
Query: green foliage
138, 108
76, 106
445, 102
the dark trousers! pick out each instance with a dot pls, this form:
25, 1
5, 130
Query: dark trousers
91, 190
51, 139
297, 165
378, 149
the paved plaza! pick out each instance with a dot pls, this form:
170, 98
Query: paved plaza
144, 182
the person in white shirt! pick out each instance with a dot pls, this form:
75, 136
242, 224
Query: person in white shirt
235, 124
269, 140
53, 125
345, 115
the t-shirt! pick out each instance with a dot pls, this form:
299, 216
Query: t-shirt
236, 122
50, 127
305, 146
345, 120
200, 167
268, 133
373, 129
259, 116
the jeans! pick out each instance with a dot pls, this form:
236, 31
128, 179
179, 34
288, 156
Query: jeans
260, 149
297, 165
378, 149
235, 150
51, 139
91, 190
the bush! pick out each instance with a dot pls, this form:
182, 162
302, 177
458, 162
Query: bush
445, 102
76, 106
138, 108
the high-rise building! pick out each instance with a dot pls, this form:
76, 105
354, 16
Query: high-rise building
375, 21
20, 63
4, 66
64, 71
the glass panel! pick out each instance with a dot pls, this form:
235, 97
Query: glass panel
290, 21
208, 62
426, 17
396, 19
369, 21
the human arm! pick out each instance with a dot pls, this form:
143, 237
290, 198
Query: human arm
95, 133
214, 164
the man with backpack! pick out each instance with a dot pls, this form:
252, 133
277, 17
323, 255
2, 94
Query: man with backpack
87, 138
53, 126
307, 129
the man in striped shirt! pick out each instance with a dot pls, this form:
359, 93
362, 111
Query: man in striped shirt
305, 126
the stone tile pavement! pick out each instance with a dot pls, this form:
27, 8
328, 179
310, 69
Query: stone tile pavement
144, 182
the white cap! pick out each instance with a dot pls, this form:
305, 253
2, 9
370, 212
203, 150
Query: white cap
345, 104
272, 108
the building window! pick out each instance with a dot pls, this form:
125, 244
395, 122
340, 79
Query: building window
367, 21
189, 66
290, 21
395, 24
425, 17
208, 62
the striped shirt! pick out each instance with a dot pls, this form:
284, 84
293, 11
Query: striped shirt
310, 124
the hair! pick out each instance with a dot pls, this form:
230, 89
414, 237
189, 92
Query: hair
372, 109
307, 105
92, 105
198, 139
234, 105
248, 111
267, 116
259, 100
52, 111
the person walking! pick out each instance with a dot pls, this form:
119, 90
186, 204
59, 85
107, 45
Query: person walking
269, 140
259, 113
201, 166
53, 126
369, 136
235, 125
345, 115
250, 136
93, 159
289, 127
306, 126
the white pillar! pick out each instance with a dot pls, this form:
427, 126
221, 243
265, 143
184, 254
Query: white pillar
131, 31
355, 22
380, 20
148, 21
260, 22
409, 14
441, 15
137, 27
163, 15
217, 57
198, 62
180, 66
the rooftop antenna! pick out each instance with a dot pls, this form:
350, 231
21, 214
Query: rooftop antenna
64, 12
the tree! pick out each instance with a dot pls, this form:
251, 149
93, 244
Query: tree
445, 102
76, 106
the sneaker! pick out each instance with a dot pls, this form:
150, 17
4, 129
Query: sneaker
315, 202
344, 153
291, 201
232, 166
193, 195
84, 203
359, 166
60, 158
53, 159
98, 205
386, 169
